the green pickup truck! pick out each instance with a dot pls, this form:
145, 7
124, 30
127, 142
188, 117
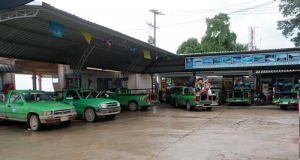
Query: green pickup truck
133, 98
287, 98
240, 95
35, 108
170, 94
88, 105
183, 97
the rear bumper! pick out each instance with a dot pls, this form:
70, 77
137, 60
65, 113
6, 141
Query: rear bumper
238, 101
284, 103
57, 118
109, 111
206, 105
153, 103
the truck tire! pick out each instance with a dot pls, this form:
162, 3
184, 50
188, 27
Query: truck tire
188, 106
283, 107
208, 108
34, 122
144, 108
132, 106
65, 123
110, 116
90, 115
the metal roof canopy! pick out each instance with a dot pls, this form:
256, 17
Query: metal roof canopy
24, 35
29, 39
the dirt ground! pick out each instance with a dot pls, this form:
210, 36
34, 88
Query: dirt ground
162, 132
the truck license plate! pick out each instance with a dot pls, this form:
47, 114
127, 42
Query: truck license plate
64, 118
285, 102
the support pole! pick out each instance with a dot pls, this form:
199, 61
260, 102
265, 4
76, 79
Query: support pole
34, 80
61, 77
40, 81
13, 75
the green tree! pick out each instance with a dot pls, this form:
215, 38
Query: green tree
291, 9
189, 46
218, 36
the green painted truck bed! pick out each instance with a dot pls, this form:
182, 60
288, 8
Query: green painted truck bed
132, 98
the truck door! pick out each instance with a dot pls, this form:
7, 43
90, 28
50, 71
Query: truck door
13, 110
179, 94
72, 98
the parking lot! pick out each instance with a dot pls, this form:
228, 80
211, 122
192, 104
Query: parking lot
163, 132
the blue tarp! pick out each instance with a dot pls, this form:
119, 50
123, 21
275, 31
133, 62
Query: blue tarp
7, 4
289, 84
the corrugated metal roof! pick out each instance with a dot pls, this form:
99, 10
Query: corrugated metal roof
29, 39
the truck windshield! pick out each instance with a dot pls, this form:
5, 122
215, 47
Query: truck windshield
36, 96
85, 94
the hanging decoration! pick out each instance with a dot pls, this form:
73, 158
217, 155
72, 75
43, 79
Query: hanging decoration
56, 29
87, 36
147, 54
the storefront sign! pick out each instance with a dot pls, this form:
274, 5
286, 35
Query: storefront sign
270, 59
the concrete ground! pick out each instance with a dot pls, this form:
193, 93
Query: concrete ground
162, 132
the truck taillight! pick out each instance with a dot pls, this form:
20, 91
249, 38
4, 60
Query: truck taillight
195, 99
297, 95
248, 95
147, 100
217, 97
273, 96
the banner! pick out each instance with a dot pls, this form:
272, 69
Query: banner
270, 59
56, 29
87, 36
147, 54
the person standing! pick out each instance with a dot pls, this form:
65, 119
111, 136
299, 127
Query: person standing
207, 87
198, 88
191, 84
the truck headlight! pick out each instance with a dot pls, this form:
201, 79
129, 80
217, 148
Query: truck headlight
118, 104
73, 109
102, 105
46, 112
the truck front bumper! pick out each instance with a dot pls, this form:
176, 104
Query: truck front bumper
109, 111
57, 118
204, 105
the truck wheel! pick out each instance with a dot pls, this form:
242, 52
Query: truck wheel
65, 123
208, 108
144, 108
90, 115
34, 122
133, 106
188, 106
283, 107
110, 116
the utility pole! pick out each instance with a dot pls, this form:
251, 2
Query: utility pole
154, 26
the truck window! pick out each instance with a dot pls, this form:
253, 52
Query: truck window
123, 90
186, 91
71, 94
87, 94
111, 91
36, 96
14, 96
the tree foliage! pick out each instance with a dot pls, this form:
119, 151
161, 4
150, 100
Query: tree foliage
218, 37
291, 9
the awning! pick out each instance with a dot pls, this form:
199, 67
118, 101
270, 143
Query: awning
10, 68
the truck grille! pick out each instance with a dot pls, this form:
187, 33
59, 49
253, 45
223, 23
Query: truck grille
62, 111
111, 104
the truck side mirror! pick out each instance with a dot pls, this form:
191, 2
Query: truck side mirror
19, 102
